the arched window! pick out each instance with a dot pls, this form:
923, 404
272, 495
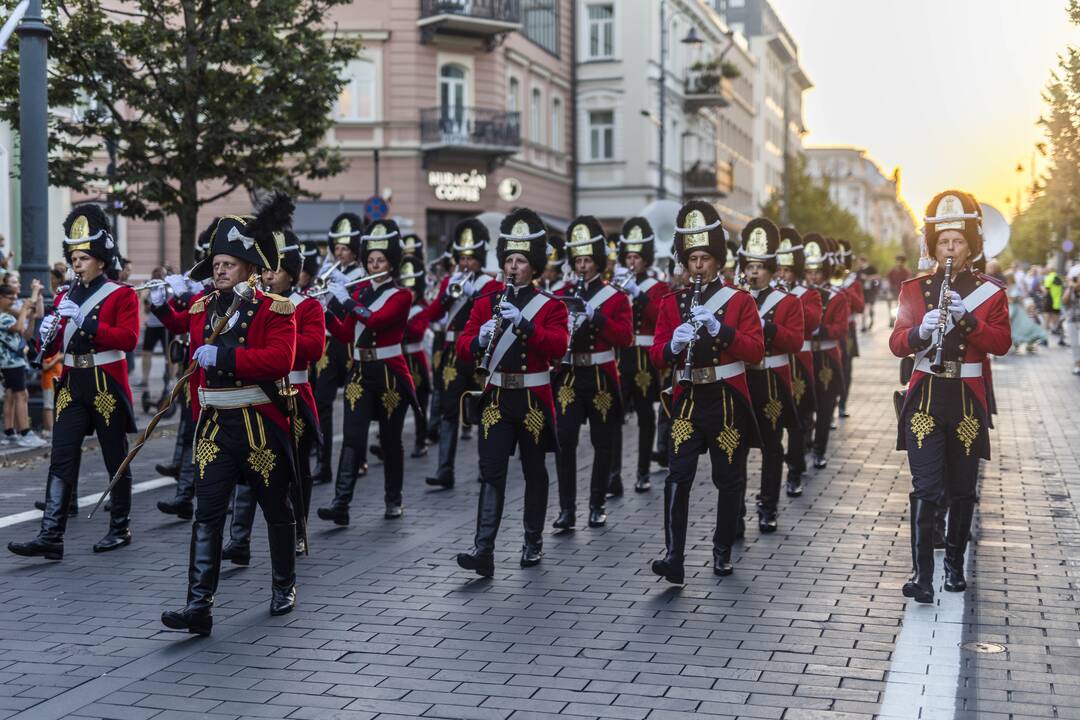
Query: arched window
452, 93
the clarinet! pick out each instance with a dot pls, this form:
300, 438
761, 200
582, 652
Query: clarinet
939, 332
579, 297
507, 295
39, 359
685, 377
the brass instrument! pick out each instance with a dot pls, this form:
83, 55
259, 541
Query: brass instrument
151, 284
622, 281
457, 289
937, 365
507, 296
316, 292
323, 278
685, 377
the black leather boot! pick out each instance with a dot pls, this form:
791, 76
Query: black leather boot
172, 469
338, 511
721, 561
939, 527
489, 507
960, 514
119, 533
321, 473
615, 486
767, 519
642, 483
921, 585
566, 520
282, 537
532, 521
820, 463
448, 440
597, 516
676, 511
794, 484
204, 566
565, 474
49, 542
238, 549
182, 506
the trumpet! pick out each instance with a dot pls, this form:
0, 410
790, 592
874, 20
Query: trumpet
323, 277
622, 281
457, 289
367, 278
155, 283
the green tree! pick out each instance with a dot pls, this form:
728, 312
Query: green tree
199, 98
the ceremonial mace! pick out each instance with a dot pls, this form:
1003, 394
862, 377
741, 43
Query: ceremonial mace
241, 292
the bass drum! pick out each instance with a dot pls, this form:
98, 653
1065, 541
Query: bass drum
995, 231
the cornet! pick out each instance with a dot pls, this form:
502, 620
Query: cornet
457, 289
316, 292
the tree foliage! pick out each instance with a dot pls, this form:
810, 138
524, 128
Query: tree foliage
200, 98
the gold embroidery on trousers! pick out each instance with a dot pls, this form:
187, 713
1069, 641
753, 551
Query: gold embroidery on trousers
566, 391
63, 399
205, 448
642, 378
798, 383
825, 374
729, 438
681, 427
602, 400
491, 414
773, 409
324, 361
353, 390
449, 375
391, 398
922, 422
261, 459
968, 429
298, 427
534, 420
104, 402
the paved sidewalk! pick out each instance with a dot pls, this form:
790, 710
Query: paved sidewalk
389, 627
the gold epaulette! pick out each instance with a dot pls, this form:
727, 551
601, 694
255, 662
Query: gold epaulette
281, 305
198, 306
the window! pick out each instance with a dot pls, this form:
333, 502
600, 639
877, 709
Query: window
452, 93
601, 32
736, 3
541, 23
513, 96
535, 117
601, 135
356, 102
556, 124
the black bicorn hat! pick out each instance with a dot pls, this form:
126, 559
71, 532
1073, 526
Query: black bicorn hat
250, 238
698, 227
522, 231
637, 236
585, 238
346, 229
384, 236
311, 259
87, 228
471, 239
291, 254
790, 252
760, 241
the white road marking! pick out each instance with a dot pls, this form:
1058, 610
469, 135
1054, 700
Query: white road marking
87, 501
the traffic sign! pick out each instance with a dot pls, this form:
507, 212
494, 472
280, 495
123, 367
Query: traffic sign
376, 208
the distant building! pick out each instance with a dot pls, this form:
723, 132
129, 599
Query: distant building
858, 185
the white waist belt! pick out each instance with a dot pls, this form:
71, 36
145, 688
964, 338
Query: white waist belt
582, 359
227, 398
414, 347
515, 381
771, 362
93, 359
298, 377
451, 335
716, 373
380, 353
817, 345
643, 340
953, 369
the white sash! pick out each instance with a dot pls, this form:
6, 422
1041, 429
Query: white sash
374, 308
507, 338
602, 295
770, 302
479, 282
974, 299
647, 284
355, 274
798, 291
84, 309
414, 311
720, 299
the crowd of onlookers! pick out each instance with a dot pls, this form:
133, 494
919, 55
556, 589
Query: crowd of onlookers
1044, 307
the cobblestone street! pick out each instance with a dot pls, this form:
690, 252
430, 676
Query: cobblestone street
811, 625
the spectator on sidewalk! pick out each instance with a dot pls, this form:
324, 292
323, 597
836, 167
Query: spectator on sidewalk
51, 367
1070, 310
1053, 286
154, 333
5, 255
1023, 319
897, 275
871, 282
13, 346
58, 275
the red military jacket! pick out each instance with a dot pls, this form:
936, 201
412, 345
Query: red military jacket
646, 306
854, 291
984, 329
415, 328
782, 317
610, 328
538, 343
112, 324
266, 331
310, 339
384, 328
457, 311
834, 321
811, 307
740, 338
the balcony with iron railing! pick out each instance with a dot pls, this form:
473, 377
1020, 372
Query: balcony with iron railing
469, 131
703, 179
485, 20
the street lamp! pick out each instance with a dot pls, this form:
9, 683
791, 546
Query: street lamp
692, 38
34, 144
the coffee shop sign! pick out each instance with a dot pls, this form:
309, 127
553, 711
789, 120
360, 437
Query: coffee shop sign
458, 187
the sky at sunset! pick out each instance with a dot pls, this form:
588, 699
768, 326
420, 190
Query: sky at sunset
949, 90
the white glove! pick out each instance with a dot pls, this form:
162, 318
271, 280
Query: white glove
205, 355
68, 308
578, 320
631, 287
455, 277
486, 331
682, 337
708, 319
158, 295
339, 291
338, 277
468, 288
620, 271
590, 311
195, 286
178, 283
929, 323
956, 306
510, 313
47, 326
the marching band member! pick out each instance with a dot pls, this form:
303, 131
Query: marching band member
951, 324
638, 379
94, 323
519, 331
587, 383
373, 321
452, 305
717, 326
244, 425
825, 344
333, 368
849, 283
791, 260
552, 278
412, 276
770, 381
310, 338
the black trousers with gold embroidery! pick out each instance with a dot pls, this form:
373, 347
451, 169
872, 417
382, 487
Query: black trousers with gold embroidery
942, 425
585, 394
330, 374
87, 400
422, 382
373, 392
512, 418
640, 390
710, 418
828, 382
455, 377
799, 438
769, 395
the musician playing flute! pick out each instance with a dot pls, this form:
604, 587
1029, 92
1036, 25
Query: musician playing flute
944, 417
